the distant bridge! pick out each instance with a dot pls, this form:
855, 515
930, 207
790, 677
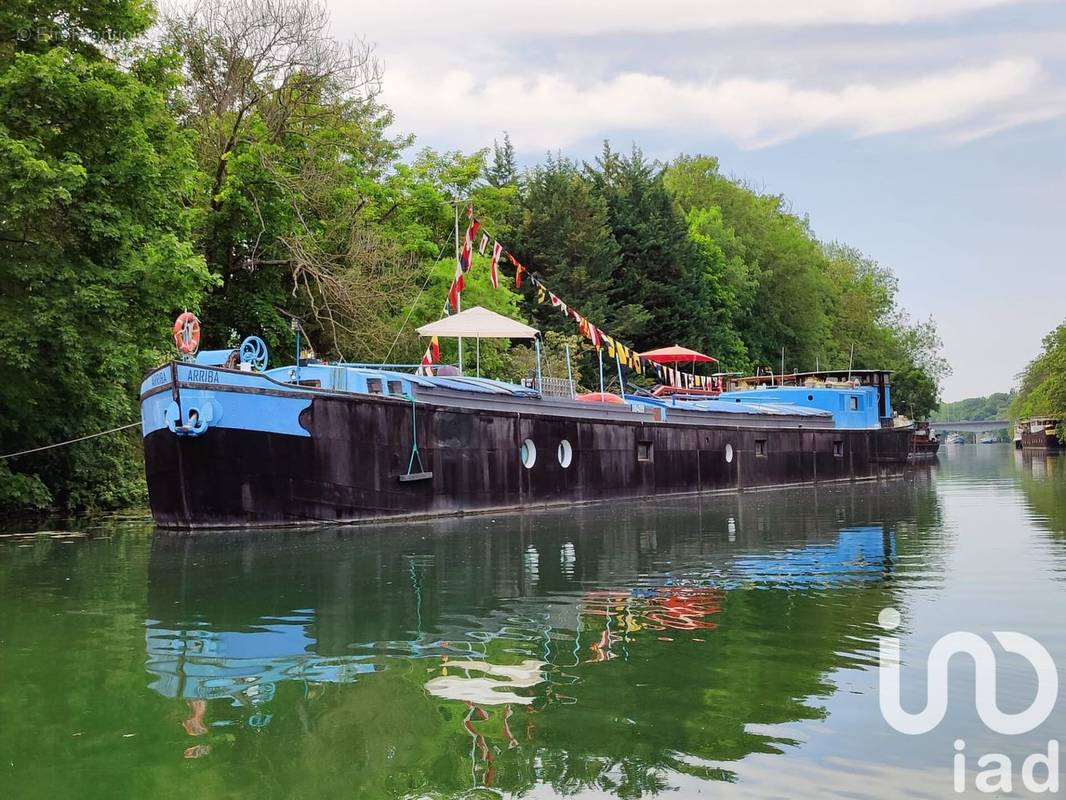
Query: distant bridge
971, 426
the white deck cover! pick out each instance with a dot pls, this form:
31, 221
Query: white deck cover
478, 323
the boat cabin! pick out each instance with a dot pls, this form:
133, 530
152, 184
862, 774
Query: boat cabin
856, 398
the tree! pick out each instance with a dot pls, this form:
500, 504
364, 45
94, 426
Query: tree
994, 406
564, 236
914, 393
93, 173
661, 270
782, 261
504, 168
1043, 382
294, 207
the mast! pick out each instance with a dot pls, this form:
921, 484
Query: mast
459, 295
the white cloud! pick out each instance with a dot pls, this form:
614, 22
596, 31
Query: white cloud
549, 111
464, 18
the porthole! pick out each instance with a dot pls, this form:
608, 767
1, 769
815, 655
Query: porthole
565, 454
729, 454
529, 454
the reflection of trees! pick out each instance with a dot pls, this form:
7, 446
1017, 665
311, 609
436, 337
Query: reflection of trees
1042, 478
665, 632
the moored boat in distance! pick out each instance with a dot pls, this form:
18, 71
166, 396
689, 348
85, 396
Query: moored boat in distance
325, 442
1038, 433
924, 443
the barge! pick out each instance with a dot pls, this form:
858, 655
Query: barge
1038, 433
924, 443
229, 443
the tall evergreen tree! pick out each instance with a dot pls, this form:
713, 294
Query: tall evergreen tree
564, 236
661, 270
504, 168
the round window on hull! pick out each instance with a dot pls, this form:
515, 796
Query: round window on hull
565, 454
729, 454
528, 453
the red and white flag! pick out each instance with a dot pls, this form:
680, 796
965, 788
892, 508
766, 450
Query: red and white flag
494, 264
483, 243
466, 254
518, 270
456, 289
594, 335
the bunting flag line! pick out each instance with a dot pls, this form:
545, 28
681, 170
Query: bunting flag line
494, 263
615, 349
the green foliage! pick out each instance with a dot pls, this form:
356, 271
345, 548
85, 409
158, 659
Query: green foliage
1043, 383
914, 393
994, 406
660, 268
826, 305
565, 237
93, 170
783, 262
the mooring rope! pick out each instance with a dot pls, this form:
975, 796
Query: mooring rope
69, 441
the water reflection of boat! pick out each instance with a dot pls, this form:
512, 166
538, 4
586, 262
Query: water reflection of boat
492, 638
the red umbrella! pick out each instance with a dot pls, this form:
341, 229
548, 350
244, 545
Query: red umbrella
672, 355
677, 354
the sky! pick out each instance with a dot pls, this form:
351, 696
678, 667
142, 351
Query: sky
927, 133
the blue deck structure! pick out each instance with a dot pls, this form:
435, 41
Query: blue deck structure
852, 407
858, 399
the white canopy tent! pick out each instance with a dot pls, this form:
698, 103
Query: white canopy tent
479, 323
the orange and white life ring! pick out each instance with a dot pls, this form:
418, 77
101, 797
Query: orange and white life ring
187, 333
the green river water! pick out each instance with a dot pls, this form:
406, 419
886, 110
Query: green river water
721, 646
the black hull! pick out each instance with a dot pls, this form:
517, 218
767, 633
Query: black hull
350, 468
1041, 441
922, 449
